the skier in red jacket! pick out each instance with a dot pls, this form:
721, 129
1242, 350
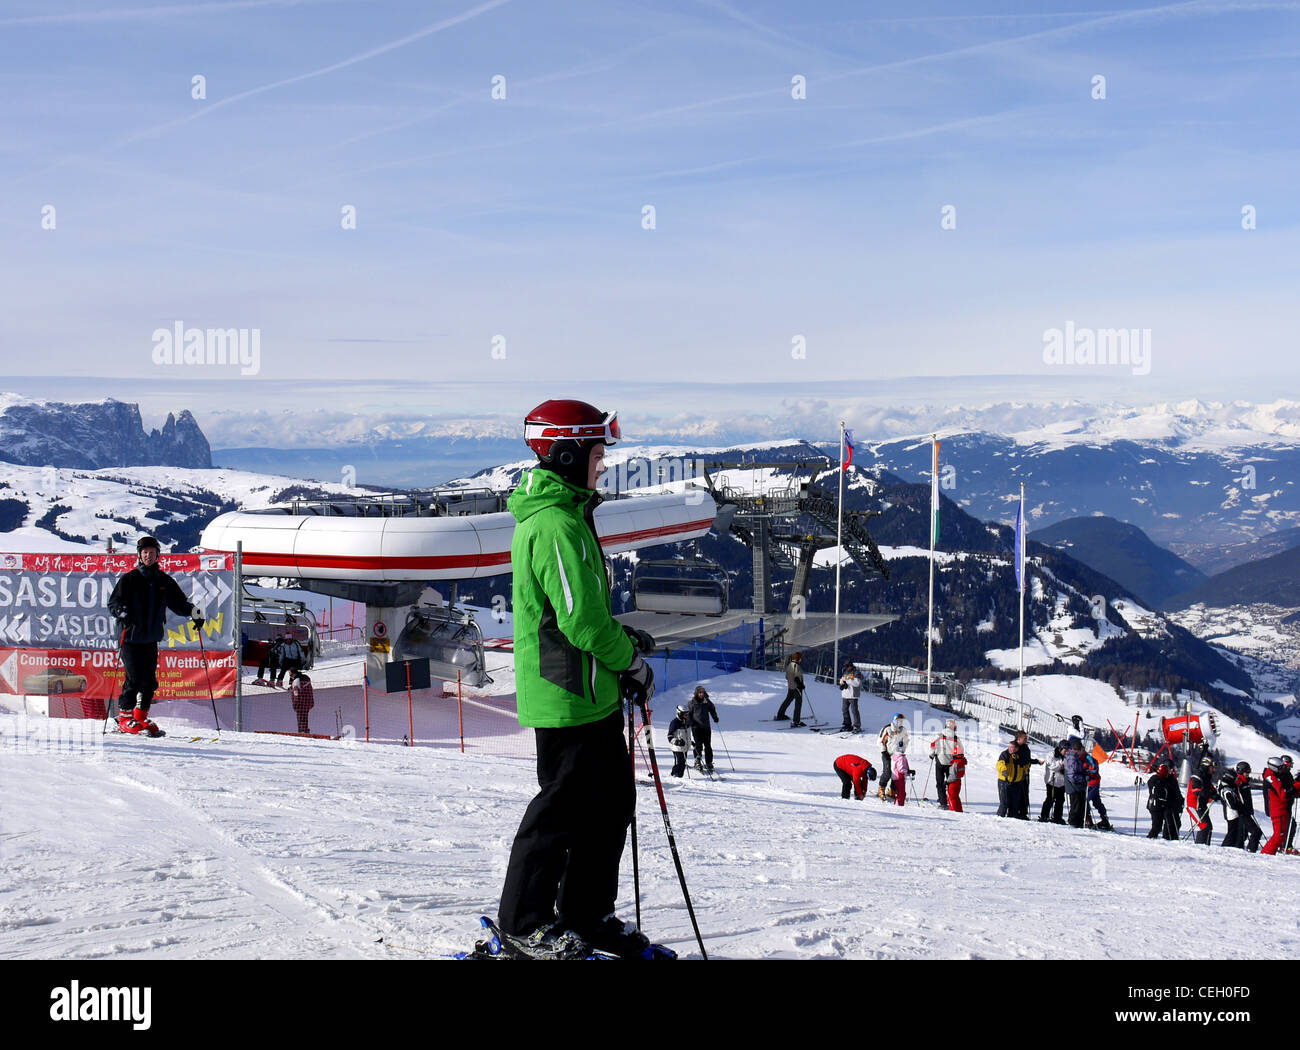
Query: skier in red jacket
1278, 793
854, 772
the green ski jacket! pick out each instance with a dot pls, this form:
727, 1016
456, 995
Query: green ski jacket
569, 649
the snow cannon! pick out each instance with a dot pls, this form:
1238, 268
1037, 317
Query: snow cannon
1190, 729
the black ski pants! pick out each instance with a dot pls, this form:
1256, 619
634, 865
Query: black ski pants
1164, 822
1078, 806
1053, 805
886, 771
1243, 833
141, 662
703, 741
846, 784
795, 695
941, 781
567, 851
1203, 833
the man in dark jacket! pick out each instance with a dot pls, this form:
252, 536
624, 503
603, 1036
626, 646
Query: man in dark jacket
1026, 759
139, 602
1010, 774
271, 661
1200, 793
700, 711
1164, 801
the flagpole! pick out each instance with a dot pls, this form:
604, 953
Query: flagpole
934, 511
839, 557
1020, 556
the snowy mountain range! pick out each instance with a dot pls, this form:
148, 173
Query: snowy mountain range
96, 434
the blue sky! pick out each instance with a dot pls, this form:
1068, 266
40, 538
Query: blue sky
775, 217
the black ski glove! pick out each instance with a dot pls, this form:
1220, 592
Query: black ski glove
641, 641
637, 683
198, 622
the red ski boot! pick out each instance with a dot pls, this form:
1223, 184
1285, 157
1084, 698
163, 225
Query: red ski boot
147, 725
126, 723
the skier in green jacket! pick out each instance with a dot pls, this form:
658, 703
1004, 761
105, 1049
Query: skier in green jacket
573, 664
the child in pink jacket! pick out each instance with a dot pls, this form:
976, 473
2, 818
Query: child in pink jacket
900, 774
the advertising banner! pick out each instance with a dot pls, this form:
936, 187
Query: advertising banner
57, 637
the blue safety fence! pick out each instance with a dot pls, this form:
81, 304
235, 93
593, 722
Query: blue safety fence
730, 651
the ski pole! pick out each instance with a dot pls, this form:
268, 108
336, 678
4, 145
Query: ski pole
668, 827
927, 779
804, 694
109, 704
636, 863
207, 673
723, 742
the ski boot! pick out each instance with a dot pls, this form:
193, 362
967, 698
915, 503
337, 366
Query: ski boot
545, 943
126, 723
614, 937
846, 729
147, 725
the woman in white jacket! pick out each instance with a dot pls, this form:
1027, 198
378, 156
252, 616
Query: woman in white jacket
1054, 779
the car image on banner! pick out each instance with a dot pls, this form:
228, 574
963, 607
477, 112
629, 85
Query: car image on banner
54, 682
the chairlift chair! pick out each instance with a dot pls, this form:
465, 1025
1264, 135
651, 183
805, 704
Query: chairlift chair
695, 586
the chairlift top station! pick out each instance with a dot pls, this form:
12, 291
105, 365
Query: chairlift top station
384, 550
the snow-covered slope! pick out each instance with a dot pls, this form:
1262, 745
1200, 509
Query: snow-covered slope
274, 847
81, 509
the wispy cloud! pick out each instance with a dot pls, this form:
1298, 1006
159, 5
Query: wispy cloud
333, 67
136, 14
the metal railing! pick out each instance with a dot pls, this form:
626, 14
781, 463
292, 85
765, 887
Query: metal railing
944, 692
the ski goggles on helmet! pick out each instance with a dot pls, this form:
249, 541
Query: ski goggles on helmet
607, 430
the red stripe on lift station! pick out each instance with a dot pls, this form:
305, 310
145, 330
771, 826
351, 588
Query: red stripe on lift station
448, 561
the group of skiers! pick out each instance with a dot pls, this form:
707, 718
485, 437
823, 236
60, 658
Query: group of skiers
1234, 791
692, 728
946, 752
1071, 773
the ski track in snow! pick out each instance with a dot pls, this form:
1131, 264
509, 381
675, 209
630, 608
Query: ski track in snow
257, 846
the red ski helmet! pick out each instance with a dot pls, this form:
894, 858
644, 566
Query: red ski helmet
567, 422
